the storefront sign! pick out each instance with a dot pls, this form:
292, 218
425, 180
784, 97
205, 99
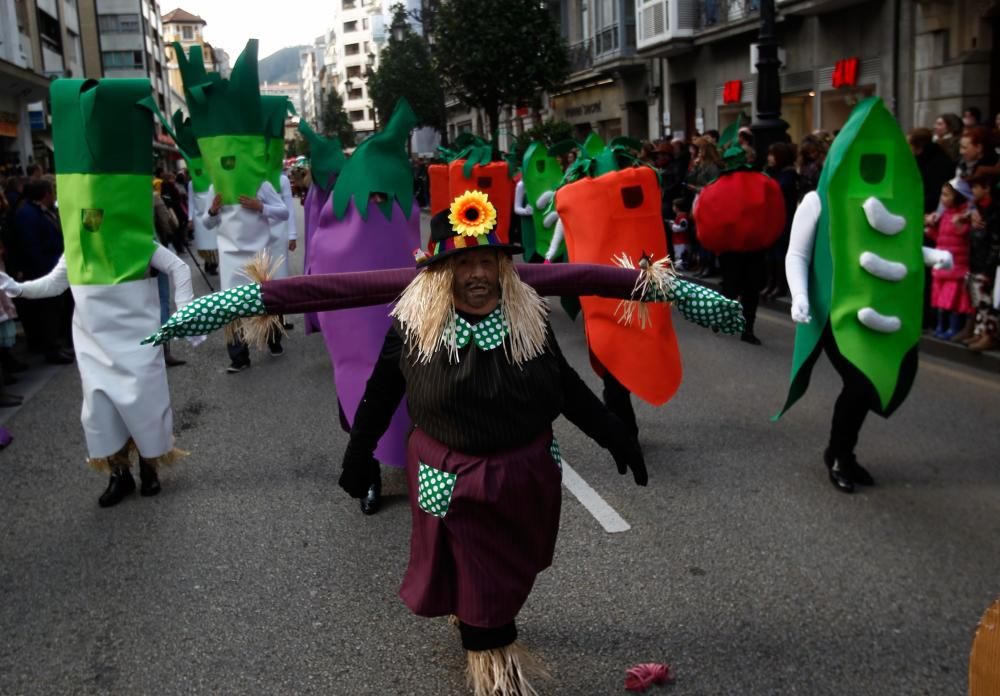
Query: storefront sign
8, 124
732, 92
592, 108
845, 73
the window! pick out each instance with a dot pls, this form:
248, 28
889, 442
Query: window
49, 31
187, 32
352, 49
350, 26
356, 116
119, 23
353, 71
348, 4
364, 23
122, 60
356, 93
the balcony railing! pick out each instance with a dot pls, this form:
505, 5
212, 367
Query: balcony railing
581, 56
720, 12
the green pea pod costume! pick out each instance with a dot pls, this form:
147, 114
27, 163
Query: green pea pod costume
102, 136
869, 158
541, 173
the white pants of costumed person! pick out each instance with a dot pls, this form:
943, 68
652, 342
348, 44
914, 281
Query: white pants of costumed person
125, 391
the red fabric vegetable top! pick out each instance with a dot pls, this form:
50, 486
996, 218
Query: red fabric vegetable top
740, 211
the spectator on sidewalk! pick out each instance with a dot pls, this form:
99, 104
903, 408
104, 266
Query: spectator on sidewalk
781, 168
810, 163
984, 255
936, 168
947, 134
950, 231
977, 154
972, 117
36, 244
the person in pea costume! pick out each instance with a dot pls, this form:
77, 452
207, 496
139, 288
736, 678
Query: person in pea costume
229, 122
102, 132
855, 271
371, 222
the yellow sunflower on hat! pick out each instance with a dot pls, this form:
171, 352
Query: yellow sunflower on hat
472, 214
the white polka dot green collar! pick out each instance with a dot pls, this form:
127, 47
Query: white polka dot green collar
488, 333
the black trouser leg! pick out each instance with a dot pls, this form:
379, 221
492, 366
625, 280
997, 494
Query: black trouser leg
618, 399
752, 270
856, 398
239, 352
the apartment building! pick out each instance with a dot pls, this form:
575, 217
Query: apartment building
187, 29
292, 90
359, 28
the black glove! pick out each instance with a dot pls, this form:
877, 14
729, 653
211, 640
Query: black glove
624, 447
360, 472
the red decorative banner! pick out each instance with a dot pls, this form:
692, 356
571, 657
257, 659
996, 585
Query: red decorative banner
732, 92
845, 73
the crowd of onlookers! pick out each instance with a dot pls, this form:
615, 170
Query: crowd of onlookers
958, 162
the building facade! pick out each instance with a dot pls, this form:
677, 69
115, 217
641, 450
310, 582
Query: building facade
922, 57
292, 90
187, 29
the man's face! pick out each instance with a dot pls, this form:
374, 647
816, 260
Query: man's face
477, 281
969, 151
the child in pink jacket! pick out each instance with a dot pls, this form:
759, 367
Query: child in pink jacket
950, 232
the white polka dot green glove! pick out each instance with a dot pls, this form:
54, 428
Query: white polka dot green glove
698, 304
210, 313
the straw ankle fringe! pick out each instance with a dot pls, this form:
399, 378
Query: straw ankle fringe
426, 309
209, 255
257, 331
123, 459
653, 275
503, 671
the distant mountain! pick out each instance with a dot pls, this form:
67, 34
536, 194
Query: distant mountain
280, 66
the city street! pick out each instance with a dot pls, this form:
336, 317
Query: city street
742, 567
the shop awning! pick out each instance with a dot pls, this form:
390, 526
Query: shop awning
21, 83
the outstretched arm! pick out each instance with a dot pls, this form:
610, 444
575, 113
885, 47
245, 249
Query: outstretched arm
800, 250
55, 283
274, 209
165, 261
583, 409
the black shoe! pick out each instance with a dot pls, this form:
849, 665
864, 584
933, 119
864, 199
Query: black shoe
171, 361
120, 485
373, 500
856, 472
749, 337
9, 379
288, 326
149, 482
277, 350
838, 473
212, 270
237, 367
59, 358
12, 364
8, 400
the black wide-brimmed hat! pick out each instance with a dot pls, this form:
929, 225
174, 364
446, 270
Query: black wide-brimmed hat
469, 223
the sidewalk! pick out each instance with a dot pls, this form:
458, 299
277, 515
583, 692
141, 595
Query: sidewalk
988, 361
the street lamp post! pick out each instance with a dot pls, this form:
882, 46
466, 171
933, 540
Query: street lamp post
768, 127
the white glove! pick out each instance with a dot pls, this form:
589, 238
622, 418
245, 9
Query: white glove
196, 341
939, 259
10, 287
996, 291
800, 309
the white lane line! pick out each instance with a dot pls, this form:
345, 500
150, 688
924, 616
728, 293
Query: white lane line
590, 499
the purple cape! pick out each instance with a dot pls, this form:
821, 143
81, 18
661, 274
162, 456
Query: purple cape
354, 337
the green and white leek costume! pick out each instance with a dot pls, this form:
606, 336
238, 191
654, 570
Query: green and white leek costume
199, 197
282, 231
228, 121
102, 133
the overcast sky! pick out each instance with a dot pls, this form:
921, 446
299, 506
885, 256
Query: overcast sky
276, 23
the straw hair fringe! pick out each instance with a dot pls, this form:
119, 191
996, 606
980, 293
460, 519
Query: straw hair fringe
525, 312
123, 458
503, 671
257, 331
653, 276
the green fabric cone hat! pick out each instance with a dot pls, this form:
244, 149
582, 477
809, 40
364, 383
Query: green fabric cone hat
228, 121
326, 156
379, 165
103, 141
188, 144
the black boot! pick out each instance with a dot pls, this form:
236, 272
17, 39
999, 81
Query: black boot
855, 471
9, 363
120, 485
148, 480
839, 473
372, 501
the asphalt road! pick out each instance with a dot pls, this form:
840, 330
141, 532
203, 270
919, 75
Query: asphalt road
743, 568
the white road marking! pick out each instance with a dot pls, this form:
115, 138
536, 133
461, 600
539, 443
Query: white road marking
590, 499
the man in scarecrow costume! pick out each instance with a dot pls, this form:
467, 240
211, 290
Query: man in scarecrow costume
229, 121
855, 271
106, 209
472, 349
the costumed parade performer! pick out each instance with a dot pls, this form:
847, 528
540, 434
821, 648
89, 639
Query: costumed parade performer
228, 120
284, 235
326, 160
102, 132
199, 196
371, 222
854, 269
472, 349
